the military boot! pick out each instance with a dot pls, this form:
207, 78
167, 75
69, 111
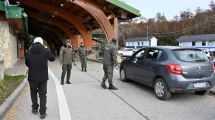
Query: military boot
85, 69
82, 69
62, 82
103, 85
111, 87
68, 82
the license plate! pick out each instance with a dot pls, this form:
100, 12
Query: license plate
200, 84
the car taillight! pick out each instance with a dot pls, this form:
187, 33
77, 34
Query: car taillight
174, 69
213, 68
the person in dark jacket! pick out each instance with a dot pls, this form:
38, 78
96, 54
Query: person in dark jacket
109, 62
36, 60
82, 54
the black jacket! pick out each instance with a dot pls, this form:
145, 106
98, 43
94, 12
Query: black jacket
36, 60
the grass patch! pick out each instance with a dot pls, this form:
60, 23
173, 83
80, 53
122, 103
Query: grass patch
8, 85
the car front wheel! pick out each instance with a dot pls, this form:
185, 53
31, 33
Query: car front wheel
161, 90
203, 92
123, 75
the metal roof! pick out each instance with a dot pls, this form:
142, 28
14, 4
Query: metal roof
125, 6
138, 39
196, 38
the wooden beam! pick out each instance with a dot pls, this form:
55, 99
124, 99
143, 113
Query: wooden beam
71, 8
64, 14
110, 16
79, 12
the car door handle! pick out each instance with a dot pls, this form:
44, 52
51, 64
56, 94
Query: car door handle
153, 67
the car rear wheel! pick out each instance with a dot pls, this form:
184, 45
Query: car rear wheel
161, 90
203, 92
123, 75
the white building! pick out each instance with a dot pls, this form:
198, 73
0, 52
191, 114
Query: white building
141, 42
206, 42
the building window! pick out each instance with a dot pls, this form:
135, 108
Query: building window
210, 43
193, 43
203, 43
138, 43
142, 43
133, 43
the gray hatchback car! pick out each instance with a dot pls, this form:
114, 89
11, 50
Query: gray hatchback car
169, 70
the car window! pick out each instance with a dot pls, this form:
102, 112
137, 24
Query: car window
122, 49
139, 55
190, 55
153, 54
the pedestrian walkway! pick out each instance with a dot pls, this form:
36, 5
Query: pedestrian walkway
86, 100
19, 68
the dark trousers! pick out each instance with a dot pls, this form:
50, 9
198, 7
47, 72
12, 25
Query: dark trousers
83, 62
66, 68
108, 73
41, 89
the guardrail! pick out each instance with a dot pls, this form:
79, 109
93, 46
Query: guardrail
1, 70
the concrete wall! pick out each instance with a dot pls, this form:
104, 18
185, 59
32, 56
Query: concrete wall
8, 45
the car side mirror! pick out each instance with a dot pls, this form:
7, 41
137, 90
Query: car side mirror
135, 60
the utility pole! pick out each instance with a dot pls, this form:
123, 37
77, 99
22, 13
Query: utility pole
147, 36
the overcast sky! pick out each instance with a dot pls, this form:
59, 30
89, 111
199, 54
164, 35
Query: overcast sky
170, 8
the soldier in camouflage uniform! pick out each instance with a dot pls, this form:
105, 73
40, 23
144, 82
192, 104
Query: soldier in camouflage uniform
82, 54
109, 62
66, 59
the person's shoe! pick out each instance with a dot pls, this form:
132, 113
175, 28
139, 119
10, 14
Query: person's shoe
85, 70
62, 82
111, 87
68, 82
43, 116
34, 111
82, 70
103, 85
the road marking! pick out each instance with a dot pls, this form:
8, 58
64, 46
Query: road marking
62, 102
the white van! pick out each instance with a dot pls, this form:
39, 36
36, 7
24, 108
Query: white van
125, 52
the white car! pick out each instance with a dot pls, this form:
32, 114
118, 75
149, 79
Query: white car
125, 51
214, 60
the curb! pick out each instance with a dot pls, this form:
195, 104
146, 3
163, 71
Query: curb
6, 106
95, 60
212, 92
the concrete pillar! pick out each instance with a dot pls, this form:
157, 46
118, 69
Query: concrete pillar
1, 69
8, 44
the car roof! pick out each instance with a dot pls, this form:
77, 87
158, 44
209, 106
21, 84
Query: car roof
171, 47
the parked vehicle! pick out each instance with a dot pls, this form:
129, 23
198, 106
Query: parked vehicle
207, 54
170, 70
125, 52
214, 60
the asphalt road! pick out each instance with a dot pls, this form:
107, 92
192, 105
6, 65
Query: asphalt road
132, 101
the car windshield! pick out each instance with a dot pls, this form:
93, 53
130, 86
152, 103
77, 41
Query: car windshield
190, 55
122, 49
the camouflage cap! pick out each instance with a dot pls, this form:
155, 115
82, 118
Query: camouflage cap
68, 41
114, 39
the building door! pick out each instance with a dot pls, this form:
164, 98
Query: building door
22, 50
